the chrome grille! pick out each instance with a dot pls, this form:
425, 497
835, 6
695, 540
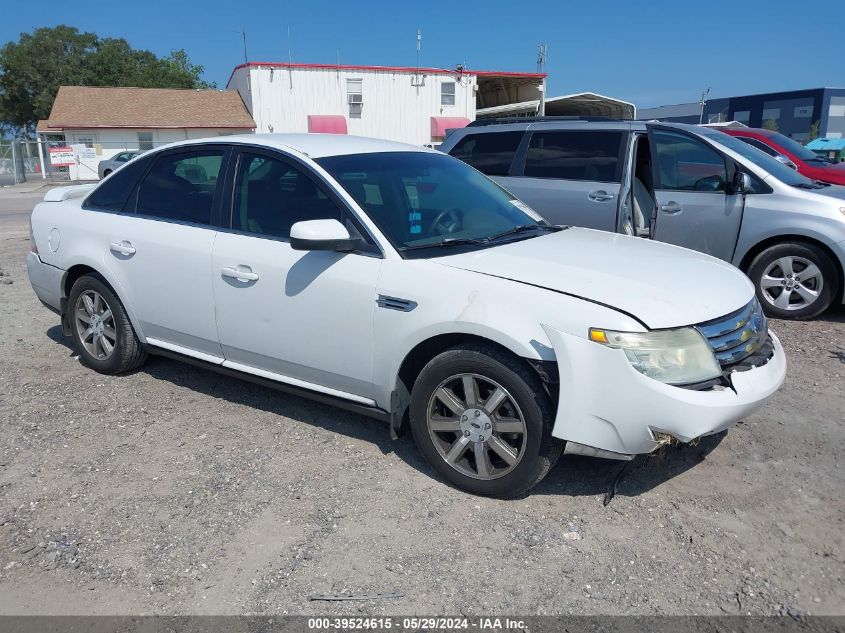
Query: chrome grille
737, 335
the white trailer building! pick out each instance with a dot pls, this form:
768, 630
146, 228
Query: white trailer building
414, 105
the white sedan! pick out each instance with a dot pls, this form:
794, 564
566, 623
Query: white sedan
401, 283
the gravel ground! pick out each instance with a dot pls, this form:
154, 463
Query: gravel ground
173, 490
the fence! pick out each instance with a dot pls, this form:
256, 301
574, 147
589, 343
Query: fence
29, 161
26, 161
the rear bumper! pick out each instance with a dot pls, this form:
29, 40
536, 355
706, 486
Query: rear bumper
606, 404
46, 281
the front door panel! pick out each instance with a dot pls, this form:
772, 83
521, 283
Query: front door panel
694, 207
304, 315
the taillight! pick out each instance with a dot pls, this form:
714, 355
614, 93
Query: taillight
32, 245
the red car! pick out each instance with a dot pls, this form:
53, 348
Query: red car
808, 162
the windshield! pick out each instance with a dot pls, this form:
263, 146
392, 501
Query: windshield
793, 146
426, 199
777, 169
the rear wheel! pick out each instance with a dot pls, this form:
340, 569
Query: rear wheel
100, 328
794, 280
483, 420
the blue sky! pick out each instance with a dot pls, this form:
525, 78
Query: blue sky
649, 52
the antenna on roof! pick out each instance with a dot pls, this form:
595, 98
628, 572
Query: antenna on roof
541, 69
702, 103
246, 58
290, 62
415, 81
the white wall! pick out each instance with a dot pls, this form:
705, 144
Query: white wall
280, 100
108, 142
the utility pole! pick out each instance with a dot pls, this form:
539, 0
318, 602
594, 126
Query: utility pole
702, 103
541, 68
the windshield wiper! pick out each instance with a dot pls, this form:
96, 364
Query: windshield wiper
811, 185
482, 241
449, 241
522, 228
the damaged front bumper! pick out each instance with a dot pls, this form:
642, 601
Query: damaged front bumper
606, 408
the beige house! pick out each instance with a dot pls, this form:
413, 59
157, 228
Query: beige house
93, 124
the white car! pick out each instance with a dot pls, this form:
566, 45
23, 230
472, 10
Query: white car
399, 282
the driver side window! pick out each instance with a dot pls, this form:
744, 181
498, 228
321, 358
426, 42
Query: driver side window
272, 195
686, 164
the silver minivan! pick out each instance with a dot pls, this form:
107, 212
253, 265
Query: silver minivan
683, 184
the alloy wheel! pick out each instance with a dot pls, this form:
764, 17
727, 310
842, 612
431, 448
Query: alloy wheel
476, 426
95, 324
791, 283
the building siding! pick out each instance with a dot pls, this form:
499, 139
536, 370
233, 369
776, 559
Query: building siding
280, 100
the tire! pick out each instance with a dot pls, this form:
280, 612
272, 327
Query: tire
773, 274
126, 352
106, 172
480, 466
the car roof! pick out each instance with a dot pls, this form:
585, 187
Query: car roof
312, 145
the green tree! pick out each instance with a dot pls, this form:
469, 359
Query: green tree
770, 124
813, 134
33, 68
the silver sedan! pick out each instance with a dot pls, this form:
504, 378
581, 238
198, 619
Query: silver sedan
107, 166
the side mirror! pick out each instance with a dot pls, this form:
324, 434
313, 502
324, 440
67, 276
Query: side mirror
742, 182
785, 160
322, 235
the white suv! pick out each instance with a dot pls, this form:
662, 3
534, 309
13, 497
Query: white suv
401, 283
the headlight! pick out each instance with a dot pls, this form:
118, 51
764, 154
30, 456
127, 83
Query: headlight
675, 357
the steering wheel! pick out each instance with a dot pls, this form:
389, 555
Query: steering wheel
447, 221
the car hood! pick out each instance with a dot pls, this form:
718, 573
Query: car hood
834, 191
659, 284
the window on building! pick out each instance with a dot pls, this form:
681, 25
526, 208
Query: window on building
686, 164
84, 139
181, 186
592, 156
490, 153
355, 97
145, 141
271, 196
743, 116
447, 93
772, 114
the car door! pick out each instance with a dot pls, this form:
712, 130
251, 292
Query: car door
572, 176
694, 207
301, 317
159, 249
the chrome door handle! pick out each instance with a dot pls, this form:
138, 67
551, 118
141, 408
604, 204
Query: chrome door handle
242, 275
671, 208
124, 248
600, 196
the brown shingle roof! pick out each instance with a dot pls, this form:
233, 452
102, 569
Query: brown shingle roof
43, 127
87, 107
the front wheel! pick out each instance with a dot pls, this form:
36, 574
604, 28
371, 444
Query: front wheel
794, 280
482, 419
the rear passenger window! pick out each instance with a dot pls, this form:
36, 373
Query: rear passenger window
490, 153
574, 156
113, 192
181, 186
272, 195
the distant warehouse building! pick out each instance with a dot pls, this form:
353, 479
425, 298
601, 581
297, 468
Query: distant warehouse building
792, 113
414, 105
89, 124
